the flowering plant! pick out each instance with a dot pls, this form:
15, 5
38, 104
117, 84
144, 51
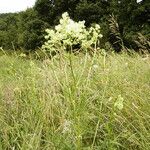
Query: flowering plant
69, 33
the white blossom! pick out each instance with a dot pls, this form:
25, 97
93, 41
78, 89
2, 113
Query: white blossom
119, 102
67, 126
69, 33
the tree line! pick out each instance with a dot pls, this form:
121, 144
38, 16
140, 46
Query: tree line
124, 23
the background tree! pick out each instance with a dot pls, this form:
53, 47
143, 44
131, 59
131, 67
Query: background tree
44, 9
26, 29
8, 30
33, 36
23, 19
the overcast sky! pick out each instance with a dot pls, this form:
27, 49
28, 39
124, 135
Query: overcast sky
15, 5
139, 1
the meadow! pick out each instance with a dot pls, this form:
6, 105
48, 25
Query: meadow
75, 102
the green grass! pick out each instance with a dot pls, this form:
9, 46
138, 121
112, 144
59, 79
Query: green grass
75, 103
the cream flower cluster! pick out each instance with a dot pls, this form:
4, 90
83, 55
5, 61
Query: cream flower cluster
69, 33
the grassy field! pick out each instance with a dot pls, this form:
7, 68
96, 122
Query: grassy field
75, 102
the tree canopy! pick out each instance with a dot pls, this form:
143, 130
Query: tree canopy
118, 18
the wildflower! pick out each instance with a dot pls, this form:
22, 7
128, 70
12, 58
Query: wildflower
66, 126
22, 55
126, 64
97, 26
95, 66
31, 63
69, 33
110, 99
100, 35
119, 102
16, 89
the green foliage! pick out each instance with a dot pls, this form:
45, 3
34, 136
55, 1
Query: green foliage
8, 33
33, 36
44, 9
23, 30
69, 33
132, 18
90, 11
115, 36
31, 30
143, 43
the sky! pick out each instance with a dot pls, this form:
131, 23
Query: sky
139, 1
7, 6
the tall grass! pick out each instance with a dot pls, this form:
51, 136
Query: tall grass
75, 102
